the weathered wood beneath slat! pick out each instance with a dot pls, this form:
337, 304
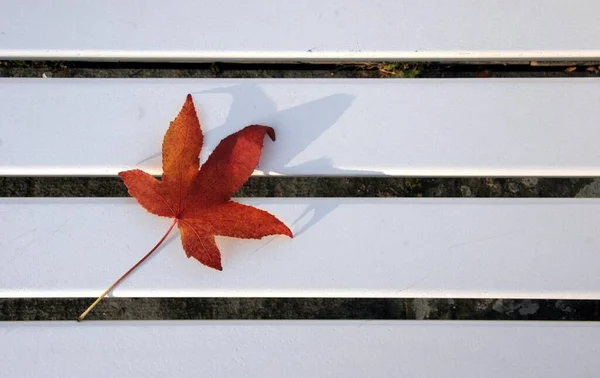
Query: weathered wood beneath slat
300, 349
477, 127
344, 247
307, 30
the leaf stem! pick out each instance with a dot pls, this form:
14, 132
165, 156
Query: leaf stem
84, 314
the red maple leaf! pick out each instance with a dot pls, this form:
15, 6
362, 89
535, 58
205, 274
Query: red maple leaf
199, 199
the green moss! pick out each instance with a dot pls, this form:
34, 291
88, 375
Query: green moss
401, 70
17, 63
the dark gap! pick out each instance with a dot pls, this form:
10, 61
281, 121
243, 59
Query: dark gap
180, 70
299, 308
483, 70
300, 66
318, 187
299, 70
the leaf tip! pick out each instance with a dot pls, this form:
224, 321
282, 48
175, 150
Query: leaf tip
264, 129
271, 133
130, 174
188, 107
124, 175
216, 265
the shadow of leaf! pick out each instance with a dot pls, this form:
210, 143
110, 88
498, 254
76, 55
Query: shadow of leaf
318, 211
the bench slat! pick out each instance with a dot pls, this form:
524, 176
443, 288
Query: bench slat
308, 30
300, 349
344, 247
477, 127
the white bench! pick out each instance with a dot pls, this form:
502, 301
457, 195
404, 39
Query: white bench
307, 30
344, 247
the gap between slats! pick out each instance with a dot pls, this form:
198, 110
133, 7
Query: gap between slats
38, 309
283, 186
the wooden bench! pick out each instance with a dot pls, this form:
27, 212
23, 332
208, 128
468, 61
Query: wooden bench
344, 247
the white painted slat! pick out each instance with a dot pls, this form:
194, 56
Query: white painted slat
300, 349
304, 30
429, 127
344, 247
